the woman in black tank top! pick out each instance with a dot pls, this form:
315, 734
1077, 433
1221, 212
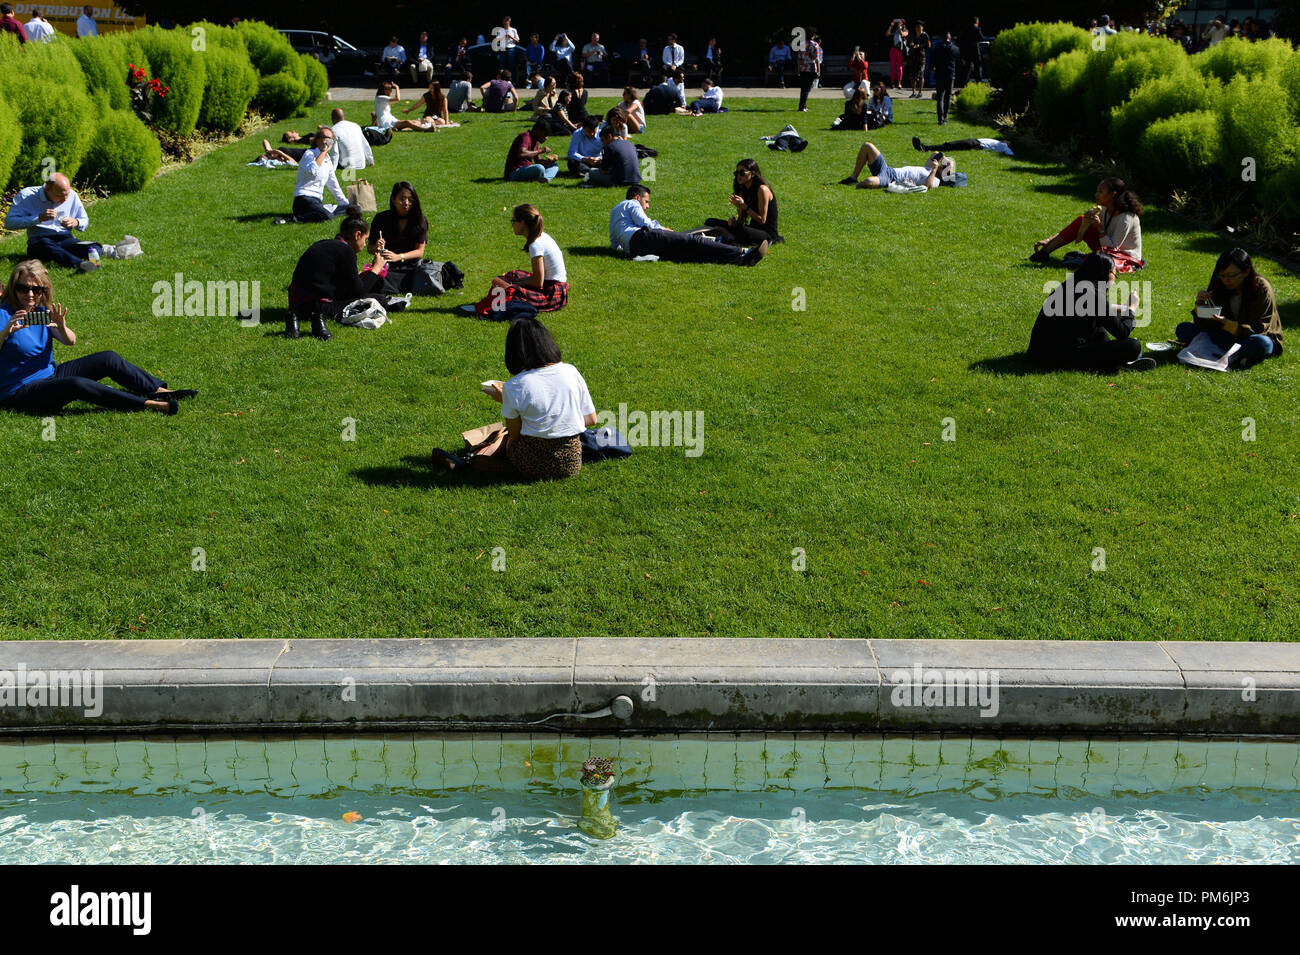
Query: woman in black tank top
756, 212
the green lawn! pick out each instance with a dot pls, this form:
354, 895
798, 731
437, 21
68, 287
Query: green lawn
822, 428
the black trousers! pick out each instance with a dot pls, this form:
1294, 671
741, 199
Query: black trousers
1103, 354
307, 209
743, 235
680, 247
943, 99
805, 86
956, 146
78, 380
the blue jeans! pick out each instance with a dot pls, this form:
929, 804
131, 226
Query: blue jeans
534, 172
705, 106
1253, 350
63, 249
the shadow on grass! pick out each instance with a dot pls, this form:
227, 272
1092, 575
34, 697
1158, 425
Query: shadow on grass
1017, 364
595, 251
416, 471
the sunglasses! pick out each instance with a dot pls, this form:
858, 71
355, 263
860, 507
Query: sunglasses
23, 287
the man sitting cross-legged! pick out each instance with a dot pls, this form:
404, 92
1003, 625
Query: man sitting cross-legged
883, 174
49, 213
635, 233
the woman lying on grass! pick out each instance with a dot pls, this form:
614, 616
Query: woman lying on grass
30, 379
546, 287
1249, 311
1078, 328
545, 406
1111, 226
326, 281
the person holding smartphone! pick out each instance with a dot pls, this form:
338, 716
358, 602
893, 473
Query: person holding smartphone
32, 381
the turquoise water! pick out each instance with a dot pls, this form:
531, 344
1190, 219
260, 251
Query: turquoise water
717, 799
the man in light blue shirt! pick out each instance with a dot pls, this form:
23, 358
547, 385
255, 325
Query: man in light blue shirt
584, 143
316, 173
633, 232
49, 213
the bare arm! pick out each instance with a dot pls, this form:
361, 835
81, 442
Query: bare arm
538, 278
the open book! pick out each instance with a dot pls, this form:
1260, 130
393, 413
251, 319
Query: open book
1202, 352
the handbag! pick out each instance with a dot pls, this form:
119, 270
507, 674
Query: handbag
601, 443
364, 313
362, 194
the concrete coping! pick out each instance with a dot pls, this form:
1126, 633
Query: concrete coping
673, 685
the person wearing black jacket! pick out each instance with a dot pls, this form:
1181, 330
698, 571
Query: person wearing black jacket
972, 64
1078, 328
326, 281
617, 164
946, 55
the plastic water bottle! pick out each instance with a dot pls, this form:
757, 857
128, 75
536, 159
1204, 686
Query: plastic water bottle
94, 256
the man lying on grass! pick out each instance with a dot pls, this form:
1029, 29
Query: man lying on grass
937, 167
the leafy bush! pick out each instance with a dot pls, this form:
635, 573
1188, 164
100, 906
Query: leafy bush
1258, 124
231, 86
103, 63
268, 48
1290, 80
1130, 71
317, 80
1058, 97
1179, 149
1238, 57
280, 95
1282, 191
11, 140
51, 61
974, 97
1164, 96
124, 154
1108, 79
181, 68
1022, 47
61, 134
217, 37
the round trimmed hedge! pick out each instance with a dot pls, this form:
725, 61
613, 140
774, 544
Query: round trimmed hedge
280, 95
1181, 147
231, 86
182, 70
104, 62
60, 134
1255, 114
1057, 95
269, 49
11, 140
1183, 92
317, 78
1236, 56
124, 154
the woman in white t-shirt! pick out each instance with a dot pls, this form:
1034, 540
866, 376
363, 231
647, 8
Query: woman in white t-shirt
546, 286
545, 406
387, 94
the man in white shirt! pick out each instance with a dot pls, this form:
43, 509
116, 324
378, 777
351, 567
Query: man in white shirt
1104, 27
39, 29
316, 172
633, 232
938, 166
710, 100
86, 25
674, 57
504, 40
354, 150
1215, 32
593, 59
394, 56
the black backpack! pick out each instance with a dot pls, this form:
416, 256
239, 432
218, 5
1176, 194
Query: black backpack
376, 137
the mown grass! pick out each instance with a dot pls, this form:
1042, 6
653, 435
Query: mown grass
822, 426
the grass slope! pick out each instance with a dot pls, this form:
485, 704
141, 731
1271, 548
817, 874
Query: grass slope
822, 426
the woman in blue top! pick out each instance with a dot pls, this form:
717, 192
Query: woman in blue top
30, 379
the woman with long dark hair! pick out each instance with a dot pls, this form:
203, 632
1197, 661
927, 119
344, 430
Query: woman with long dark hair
1111, 226
1079, 328
546, 287
32, 381
755, 220
1249, 314
545, 405
436, 111
398, 236
855, 112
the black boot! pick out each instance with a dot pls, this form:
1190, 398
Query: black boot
291, 326
318, 328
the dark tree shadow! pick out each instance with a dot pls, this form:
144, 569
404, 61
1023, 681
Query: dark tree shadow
416, 471
1290, 313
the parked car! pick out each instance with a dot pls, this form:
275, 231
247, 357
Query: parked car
339, 56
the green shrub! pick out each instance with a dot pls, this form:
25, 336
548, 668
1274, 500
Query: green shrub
11, 140
1257, 124
1281, 191
1290, 80
1021, 48
1238, 57
1130, 71
217, 37
182, 70
231, 86
974, 97
61, 134
1164, 96
124, 153
317, 79
268, 48
280, 95
104, 62
1179, 149
1108, 79
54, 62
1058, 98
